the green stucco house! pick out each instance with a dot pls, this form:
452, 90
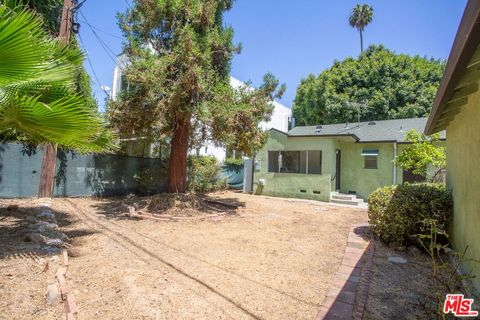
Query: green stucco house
330, 162
457, 109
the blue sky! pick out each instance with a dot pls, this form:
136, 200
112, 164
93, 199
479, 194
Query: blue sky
292, 39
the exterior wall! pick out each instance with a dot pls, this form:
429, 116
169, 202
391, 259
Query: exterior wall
463, 178
354, 177
290, 184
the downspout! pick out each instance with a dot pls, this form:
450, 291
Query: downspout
394, 164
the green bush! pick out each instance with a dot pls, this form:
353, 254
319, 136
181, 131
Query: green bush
399, 214
233, 164
203, 174
148, 179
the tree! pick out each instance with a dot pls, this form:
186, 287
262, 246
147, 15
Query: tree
180, 54
37, 99
361, 16
388, 85
422, 153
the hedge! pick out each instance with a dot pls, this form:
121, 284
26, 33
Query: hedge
398, 214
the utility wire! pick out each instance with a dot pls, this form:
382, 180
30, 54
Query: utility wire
97, 80
103, 31
105, 47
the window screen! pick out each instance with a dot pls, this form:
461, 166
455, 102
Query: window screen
292, 161
273, 161
315, 162
370, 162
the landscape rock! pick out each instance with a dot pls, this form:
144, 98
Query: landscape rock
52, 294
398, 260
12, 207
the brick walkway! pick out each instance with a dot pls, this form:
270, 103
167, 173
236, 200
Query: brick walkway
347, 296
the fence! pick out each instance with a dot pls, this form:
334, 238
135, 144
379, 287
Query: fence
77, 175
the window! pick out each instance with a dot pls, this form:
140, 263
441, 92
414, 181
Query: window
315, 162
371, 162
273, 161
295, 161
370, 158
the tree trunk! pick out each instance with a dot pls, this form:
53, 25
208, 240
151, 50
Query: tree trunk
177, 168
49, 157
47, 176
361, 41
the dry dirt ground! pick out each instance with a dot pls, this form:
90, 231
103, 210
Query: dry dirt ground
407, 291
25, 269
268, 259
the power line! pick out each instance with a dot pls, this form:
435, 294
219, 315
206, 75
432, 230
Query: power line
97, 80
105, 47
103, 31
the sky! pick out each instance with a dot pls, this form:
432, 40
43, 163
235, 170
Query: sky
290, 39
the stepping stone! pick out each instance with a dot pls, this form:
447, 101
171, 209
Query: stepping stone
397, 260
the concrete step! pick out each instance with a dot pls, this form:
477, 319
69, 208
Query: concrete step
348, 202
340, 196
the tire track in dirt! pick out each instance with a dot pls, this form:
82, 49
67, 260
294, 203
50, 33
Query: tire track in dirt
129, 241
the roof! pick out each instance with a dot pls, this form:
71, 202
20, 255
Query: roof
369, 131
461, 72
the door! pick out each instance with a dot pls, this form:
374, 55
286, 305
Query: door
337, 169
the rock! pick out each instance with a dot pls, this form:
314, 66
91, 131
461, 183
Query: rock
52, 293
399, 260
36, 238
414, 250
12, 207
46, 214
131, 211
43, 226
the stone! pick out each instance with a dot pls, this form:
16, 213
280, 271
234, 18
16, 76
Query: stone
12, 207
398, 260
52, 293
414, 250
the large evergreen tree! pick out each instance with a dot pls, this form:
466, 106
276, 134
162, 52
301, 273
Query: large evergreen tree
380, 84
180, 54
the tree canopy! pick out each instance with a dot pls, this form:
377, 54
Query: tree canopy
381, 83
179, 54
361, 16
37, 97
422, 153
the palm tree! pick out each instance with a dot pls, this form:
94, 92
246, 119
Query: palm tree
37, 97
361, 16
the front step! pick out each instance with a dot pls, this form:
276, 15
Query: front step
347, 199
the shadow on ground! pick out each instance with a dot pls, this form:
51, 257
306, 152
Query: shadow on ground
14, 224
166, 204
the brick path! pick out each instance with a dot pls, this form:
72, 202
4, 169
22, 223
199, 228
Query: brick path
347, 296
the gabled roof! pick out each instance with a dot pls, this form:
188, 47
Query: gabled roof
462, 71
369, 131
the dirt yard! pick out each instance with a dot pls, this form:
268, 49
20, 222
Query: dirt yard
268, 259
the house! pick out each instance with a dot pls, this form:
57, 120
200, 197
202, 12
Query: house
279, 120
456, 109
351, 158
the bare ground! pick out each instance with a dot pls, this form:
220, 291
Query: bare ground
407, 291
268, 259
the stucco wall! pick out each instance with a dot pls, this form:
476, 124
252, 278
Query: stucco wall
354, 177
290, 184
463, 178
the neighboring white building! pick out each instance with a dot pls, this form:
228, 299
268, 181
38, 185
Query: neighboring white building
280, 119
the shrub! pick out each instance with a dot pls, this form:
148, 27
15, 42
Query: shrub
233, 164
402, 213
203, 174
149, 179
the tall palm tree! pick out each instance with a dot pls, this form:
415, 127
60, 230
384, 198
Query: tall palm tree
361, 16
37, 99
